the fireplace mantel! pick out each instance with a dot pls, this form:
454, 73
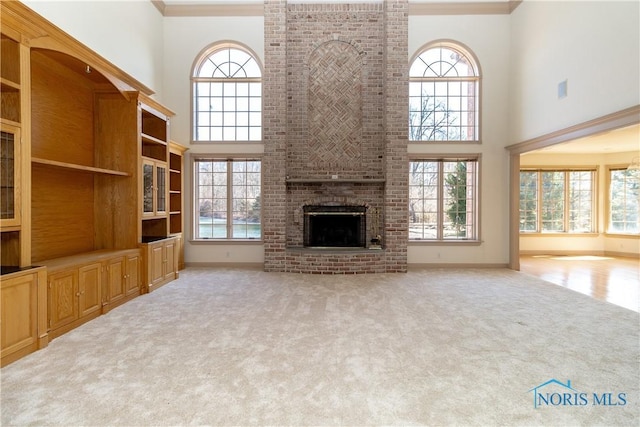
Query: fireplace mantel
337, 180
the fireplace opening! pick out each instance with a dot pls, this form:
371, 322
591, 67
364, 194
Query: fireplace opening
335, 226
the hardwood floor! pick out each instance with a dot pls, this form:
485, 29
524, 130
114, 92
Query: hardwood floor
612, 279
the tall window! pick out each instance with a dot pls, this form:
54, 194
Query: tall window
557, 201
624, 201
444, 100
443, 199
227, 199
227, 96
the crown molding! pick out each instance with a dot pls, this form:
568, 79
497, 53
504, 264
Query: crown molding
252, 8
464, 8
256, 8
159, 4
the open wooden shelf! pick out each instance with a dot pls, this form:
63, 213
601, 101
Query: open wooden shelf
149, 138
8, 85
82, 168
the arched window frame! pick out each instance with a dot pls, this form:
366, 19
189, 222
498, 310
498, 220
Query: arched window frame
444, 103
226, 97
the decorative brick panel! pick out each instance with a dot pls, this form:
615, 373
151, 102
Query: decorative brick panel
335, 105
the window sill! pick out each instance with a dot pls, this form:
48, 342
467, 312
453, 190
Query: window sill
419, 142
226, 241
559, 234
623, 235
445, 242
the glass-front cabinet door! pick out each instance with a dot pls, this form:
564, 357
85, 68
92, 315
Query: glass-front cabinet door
147, 188
161, 185
154, 191
9, 175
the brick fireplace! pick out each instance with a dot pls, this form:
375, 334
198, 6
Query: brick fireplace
335, 132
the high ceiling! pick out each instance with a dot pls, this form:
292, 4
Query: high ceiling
621, 140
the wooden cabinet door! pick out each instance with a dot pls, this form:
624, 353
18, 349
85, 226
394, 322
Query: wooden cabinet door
156, 264
89, 288
147, 188
161, 189
19, 297
63, 298
170, 254
10, 178
133, 282
116, 279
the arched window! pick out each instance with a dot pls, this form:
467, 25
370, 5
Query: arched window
444, 87
227, 95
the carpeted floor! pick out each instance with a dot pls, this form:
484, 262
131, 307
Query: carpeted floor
430, 347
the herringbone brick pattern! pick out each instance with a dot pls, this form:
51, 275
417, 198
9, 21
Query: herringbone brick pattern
335, 104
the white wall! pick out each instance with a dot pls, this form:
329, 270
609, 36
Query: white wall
184, 39
488, 38
594, 45
128, 33
596, 243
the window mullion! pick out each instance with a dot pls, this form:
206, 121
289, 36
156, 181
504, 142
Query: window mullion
229, 199
196, 196
539, 202
595, 220
567, 202
440, 200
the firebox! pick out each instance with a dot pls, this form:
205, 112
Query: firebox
335, 226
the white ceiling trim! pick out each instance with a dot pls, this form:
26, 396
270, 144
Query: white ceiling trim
256, 8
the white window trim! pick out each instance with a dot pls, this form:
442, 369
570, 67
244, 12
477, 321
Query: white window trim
195, 158
477, 240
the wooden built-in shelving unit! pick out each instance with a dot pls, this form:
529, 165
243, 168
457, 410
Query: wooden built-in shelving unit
77, 137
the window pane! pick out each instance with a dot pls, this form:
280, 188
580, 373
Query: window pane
458, 200
242, 134
553, 201
211, 199
229, 119
242, 104
216, 133
255, 104
202, 89
255, 133
528, 201
242, 119
228, 133
255, 89
624, 199
202, 134
580, 201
